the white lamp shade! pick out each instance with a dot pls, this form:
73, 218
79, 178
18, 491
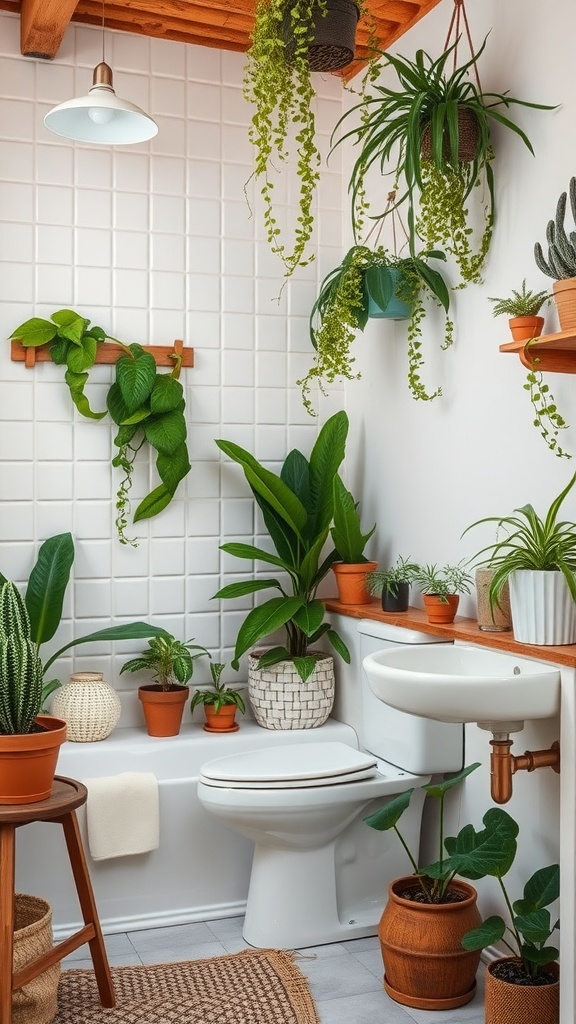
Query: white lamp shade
101, 116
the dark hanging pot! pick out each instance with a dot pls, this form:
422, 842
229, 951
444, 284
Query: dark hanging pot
382, 286
396, 600
334, 43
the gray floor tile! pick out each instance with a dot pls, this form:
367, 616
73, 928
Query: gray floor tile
332, 977
227, 927
368, 1008
372, 961
172, 954
172, 937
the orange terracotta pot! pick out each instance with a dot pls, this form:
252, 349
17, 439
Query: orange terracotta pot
506, 1003
351, 581
523, 328
221, 720
441, 609
425, 964
565, 299
163, 709
28, 762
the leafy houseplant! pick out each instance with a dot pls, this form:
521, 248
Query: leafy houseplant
146, 406
220, 702
297, 507
520, 303
537, 551
171, 662
393, 584
351, 566
433, 131
342, 308
441, 587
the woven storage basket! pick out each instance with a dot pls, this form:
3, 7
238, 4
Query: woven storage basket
36, 1002
89, 705
280, 700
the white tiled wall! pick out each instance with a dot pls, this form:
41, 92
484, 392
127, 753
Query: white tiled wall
152, 242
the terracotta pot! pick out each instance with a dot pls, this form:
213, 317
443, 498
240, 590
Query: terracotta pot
28, 762
523, 328
163, 709
221, 720
506, 1003
397, 602
351, 581
425, 965
565, 298
441, 609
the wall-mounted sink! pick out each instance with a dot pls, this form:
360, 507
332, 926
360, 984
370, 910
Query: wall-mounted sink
456, 683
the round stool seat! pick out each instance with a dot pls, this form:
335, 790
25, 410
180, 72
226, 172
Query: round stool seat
298, 766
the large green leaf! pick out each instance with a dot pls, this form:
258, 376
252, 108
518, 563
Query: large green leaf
287, 542
135, 378
310, 617
76, 382
490, 931
540, 890
153, 503
167, 432
70, 325
166, 394
295, 473
387, 817
490, 851
346, 532
173, 468
264, 620
82, 356
271, 487
35, 332
253, 553
128, 631
47, 585
325, 460
244, 587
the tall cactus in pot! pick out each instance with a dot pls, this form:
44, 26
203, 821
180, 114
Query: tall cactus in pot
561, 261
20, 667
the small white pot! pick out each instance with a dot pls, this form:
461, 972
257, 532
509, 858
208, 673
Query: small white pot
543, 611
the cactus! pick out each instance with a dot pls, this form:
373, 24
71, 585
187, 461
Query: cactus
20, 667
561, 263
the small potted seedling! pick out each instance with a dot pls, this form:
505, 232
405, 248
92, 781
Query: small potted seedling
220, 703
441, 587
393, 584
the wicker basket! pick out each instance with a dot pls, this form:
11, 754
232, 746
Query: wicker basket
280, 700
36, 1002
468, 138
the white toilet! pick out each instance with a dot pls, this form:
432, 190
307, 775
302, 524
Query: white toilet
319, 873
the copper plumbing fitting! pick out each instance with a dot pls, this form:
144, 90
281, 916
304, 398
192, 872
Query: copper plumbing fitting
504, 764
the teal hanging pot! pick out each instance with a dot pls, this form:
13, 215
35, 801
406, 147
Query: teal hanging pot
381, 284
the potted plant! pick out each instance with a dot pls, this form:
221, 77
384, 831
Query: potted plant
171, 662
369, 280
351, 566
220, 703
297, 507
525, 985
538, 558
426, 917
433, 131
25, 625
147, 406
393, 584
441, 587
522, 307
561, 261
289, 41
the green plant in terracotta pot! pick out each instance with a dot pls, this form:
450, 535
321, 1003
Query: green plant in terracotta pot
171, 662
363, 285
441, 587
393, 584
351, 565
524, 306
220, 702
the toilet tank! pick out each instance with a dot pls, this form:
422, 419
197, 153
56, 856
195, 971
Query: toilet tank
416, 744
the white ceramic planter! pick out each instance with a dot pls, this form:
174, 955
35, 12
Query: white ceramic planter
543, 611
280, 700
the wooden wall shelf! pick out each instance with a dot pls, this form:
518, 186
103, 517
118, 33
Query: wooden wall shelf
556, 352
108, 352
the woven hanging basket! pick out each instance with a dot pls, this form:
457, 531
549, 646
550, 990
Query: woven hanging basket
36, 1002
468, 138
520, 1004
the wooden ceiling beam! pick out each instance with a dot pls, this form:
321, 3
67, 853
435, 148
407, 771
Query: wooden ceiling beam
42, 26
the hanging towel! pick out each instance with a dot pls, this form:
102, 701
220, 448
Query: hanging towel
122, 814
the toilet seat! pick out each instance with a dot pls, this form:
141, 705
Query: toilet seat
298, 766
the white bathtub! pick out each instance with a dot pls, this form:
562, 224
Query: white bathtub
201, 869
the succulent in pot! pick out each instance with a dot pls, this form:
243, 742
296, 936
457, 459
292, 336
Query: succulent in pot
441, 587
171, 662
560, 263
522, 307
393, 584
220, 702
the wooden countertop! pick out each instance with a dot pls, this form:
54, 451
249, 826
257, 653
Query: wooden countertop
461, 629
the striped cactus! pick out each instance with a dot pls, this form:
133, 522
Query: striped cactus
561, 262
20, 666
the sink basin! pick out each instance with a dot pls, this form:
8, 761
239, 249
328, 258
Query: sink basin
455, 683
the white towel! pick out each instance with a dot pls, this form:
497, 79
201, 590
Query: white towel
122, 814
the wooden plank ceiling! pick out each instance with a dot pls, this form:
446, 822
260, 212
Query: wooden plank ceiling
226, 24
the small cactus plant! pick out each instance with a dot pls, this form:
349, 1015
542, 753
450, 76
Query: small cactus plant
20, 667
561, 263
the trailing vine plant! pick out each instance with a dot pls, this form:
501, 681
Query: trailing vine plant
147, 406
546, 416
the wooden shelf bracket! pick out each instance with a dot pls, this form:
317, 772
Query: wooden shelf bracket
108, 352
556, 353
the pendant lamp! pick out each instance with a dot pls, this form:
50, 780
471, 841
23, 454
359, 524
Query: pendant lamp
101, 116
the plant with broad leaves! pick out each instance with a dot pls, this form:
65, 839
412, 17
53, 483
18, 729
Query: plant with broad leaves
347, 530
147, 406
171, 661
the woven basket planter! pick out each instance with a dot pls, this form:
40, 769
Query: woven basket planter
89, 706
280, 700
468, 138
521, 1004
36, 1002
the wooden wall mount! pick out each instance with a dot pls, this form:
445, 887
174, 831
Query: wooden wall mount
108, 352
556, 353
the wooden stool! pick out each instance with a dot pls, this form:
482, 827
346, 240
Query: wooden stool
66, 796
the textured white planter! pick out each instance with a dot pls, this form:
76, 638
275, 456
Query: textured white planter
543, 611
280, 700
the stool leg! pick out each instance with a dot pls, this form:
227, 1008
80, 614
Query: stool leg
88, 907
6, 920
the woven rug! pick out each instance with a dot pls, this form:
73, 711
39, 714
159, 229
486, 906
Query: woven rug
256, 986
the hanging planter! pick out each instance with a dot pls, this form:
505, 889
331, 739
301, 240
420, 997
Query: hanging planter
384, 286
333, 42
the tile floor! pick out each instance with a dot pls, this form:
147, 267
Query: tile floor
345, 977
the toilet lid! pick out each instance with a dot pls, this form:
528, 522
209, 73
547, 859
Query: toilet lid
289, 767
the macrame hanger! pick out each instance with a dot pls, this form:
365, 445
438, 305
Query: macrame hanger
459, 16
396, 222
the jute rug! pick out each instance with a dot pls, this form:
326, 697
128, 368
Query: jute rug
256, 986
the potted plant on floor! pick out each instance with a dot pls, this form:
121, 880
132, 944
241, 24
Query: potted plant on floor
25, 625
441, 587
426, 917
561, 262
171, 662
297, 507
433, 131
525, 985
538, 558
220, 703
522, 307
363, 286
351, 566
393, 584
